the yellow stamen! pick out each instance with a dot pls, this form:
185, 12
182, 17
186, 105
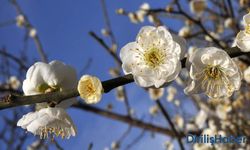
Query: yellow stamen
154, 57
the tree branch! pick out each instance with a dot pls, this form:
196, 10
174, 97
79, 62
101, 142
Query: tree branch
17, 100
126, 119
29, 27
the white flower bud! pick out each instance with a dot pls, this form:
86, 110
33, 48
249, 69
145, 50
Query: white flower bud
90, 89
20, 21
153, 110
184, 31
32, 32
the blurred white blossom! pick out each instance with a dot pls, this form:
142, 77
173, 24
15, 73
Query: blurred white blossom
153, 110
214, 35
139, 15
179, 121
243, 37
115, 145
120, 11
229, 23
105, 32
171, 92
48, 122
222, 110
200, 119
155, 94
14, 82
153, 59
90, 89
247, 75
20, 20
120, 93
197, 6
177, 102
212, 72
32, 32
169, 145
37, 144
191, 50
184, 31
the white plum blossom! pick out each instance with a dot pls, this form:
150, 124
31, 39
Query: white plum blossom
200, 119
212, 72
56, 76
247, 75
153, 59
48, 122
243, 37
90, 89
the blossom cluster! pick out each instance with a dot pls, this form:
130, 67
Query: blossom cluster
51, 119
154, 59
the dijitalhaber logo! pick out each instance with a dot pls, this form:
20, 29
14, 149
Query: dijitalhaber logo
216, 139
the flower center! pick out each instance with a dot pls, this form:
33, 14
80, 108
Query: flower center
154, 57
45, 88
46, 131
90, 89
214, 72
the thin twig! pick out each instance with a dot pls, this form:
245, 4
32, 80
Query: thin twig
106, 47
107, 21
168, 118
29, 27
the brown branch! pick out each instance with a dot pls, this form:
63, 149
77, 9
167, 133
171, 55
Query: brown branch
15, 100
126, 119
168, 118
14, 58
106, 47
107, 21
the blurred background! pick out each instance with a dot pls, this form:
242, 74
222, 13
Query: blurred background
83, 34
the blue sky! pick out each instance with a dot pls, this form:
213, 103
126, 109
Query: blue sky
63, 27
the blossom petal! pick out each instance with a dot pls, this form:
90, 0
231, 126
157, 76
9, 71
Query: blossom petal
243, 41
